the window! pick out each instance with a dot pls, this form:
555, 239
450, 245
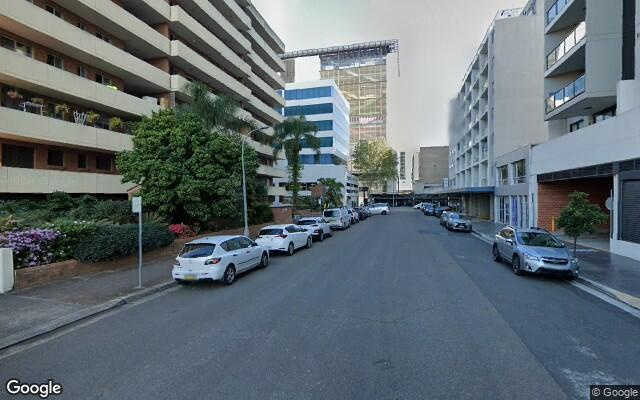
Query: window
81, 26
310, 93
7, 43
82, 71
55, 158
53, 10
82, 161
604, 115
197, 250
55, 61
519, 172
503, 176
231, 245
312, 109
17, 156
104, 162
576, 126
102, 36
244, 242
103, 79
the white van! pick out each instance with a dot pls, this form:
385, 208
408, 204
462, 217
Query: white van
338, 218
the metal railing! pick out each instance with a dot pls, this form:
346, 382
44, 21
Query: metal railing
567, 93
556, 9
567, 44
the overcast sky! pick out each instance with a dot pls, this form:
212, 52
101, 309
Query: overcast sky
438, 39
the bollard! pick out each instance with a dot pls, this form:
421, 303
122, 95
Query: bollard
6, 270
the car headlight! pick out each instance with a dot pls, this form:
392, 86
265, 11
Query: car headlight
531, 257
574, 261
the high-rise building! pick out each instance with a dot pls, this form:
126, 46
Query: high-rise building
74, 74
402, 169
360, 71
431, 169
322, 103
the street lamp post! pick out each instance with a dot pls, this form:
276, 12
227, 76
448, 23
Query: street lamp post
244, 184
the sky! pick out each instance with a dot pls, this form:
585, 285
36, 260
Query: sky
438, 40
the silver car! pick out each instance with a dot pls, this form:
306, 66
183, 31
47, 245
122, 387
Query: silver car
458, 222
534, 250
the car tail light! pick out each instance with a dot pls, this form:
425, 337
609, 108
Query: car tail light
318, 231
281, 236
212, 261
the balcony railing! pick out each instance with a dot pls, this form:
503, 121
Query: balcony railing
556, 9
567, 93
567, 44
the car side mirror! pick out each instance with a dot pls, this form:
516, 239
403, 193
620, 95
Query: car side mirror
254, 244
563, 245
510, 241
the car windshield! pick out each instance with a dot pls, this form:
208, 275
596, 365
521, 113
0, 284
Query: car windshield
381, 205
452, 215
197, 250
332, 213
538, 239
271, 232
306, 222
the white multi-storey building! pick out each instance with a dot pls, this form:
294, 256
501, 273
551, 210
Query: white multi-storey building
322, 103
497, 116
592, 82
74, 73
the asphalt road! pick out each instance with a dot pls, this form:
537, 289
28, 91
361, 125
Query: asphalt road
394, 308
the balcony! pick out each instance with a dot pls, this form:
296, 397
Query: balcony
277, 191
26, 180
566, 94
39, 77
234, 13
258, 107
258, 86
202, 69
263, 28
40, 26
260, 148
268, 170
261, 48
265, 72
570, 54
25, 126
565, 13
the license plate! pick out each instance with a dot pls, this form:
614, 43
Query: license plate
190, 277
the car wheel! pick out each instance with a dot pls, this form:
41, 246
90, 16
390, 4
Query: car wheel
229, 275
264, 261
309, 242
384, 213
321, 237
515, 265
290, 249
496, 254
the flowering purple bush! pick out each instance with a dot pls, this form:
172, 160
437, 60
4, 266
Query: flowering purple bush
33, 246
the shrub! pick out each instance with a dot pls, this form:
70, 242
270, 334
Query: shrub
182, 231
32, 247
112, 241
260, 213
71, 233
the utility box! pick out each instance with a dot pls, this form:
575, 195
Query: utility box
6, 270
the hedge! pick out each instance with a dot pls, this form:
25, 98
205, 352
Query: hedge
109, 242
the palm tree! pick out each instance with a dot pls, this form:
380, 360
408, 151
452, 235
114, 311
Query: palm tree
333, 193
216, 112
291, 135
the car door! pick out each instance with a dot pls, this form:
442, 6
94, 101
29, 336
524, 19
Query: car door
506, 248
238, 255
294, 234
302, 235
251, 253
500, 241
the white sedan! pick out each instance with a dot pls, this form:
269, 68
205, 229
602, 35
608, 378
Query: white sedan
380, 209
218, 258
317, 226
287, 238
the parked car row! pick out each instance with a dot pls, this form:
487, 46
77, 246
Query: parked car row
222, 258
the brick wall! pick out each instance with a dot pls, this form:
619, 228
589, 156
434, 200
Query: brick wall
554, 196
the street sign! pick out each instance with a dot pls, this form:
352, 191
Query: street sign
136, 205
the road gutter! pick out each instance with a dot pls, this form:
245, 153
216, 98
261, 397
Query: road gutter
81, 315
623, 301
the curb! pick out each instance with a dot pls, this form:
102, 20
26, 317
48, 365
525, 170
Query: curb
627, 299
87, 313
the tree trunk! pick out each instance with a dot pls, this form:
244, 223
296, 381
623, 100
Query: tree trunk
575, 243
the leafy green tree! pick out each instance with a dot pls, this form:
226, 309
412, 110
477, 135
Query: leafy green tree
333, 192
580, 217
291, 135
376, 162
188, 173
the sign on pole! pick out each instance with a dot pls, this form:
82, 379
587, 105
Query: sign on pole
136, 206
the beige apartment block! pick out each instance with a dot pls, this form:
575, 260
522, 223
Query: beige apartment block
68, 67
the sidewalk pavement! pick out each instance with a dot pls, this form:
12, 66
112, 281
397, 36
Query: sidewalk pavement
27, 313
610, 273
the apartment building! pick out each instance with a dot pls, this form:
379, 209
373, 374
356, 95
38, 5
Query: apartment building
322, 103
592, 85
497, 116
76, 74
432, 169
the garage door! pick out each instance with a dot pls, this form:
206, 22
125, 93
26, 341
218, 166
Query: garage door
630, 213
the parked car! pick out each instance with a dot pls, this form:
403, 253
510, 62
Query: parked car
287, 238
418, 206
439, 210
317, 226
534, 250
458, 222
380, 209
443, 218
428, 209
218, 258
337, 218
355, 218
362, 213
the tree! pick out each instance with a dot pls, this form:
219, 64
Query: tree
580, 217
376, 162
333, 192
188, 173
291, 135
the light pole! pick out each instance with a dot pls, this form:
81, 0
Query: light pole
244, 183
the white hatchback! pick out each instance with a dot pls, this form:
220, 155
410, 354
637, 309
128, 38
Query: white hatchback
317, 226
218, 258
287, 238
